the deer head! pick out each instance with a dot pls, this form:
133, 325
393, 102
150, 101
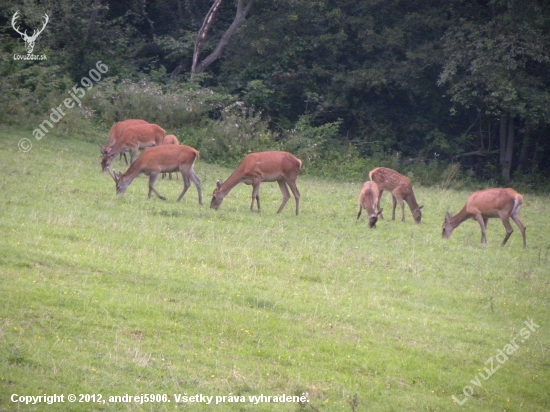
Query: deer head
121, 185
217, 196
448, 226
29, 40
374, 218
417, 213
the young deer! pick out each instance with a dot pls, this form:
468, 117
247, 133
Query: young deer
401, 190
280, 167
170, 139
158, 159
132, 139
116, 132
485, 204
368, 200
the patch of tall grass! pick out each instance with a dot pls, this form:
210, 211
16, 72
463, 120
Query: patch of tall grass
114, 295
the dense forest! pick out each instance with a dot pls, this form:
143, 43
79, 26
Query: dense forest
436, 88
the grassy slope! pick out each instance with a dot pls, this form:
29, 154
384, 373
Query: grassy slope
115, 295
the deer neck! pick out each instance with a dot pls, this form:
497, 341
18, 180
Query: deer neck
133, 171
231, 182
411, 201
460, 217
116, 147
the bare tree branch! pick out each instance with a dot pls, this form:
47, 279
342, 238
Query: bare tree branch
243, 9
203, 32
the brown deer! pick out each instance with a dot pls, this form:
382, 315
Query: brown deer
368, 200
280, 167
401, 190
485, 204
170, 139
132, 139
164, 158
116, 132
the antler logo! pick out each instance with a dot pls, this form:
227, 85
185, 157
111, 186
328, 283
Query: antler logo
29, 40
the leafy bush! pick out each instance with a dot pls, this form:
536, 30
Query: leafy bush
174, 106
239, 131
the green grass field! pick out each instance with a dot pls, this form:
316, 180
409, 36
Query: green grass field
108, 295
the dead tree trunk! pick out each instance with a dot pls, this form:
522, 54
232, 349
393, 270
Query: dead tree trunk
525, 144
506, 145
243, 9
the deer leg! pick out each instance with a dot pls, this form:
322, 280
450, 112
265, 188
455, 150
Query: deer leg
133, 156
509, 230
486, 222
378, 203
285, 192
521, 226
296, 193
394, 200
402, 204
481, 222
152, 180
186, 185
197, 183
125, 158
255, 196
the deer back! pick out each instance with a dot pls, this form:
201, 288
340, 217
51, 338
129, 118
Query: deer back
118, 128
490, 202
170, 139
368, 198
270, 165
140, 136
389, 179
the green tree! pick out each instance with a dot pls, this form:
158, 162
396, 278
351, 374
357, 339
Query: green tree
497, 56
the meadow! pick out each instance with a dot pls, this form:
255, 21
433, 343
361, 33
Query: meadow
112, 295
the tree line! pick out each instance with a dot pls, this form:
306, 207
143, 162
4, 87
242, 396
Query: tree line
449, 81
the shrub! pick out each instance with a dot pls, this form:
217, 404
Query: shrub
240, 130
175, 106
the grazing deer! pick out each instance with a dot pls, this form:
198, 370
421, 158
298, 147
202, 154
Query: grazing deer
401, 190
485, 204
132, 139
164, 158
116, 132
368, 200
170, 139
280, 167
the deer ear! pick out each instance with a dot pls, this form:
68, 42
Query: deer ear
421, 207
101, 149
379, 212
448, 216
218, 184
